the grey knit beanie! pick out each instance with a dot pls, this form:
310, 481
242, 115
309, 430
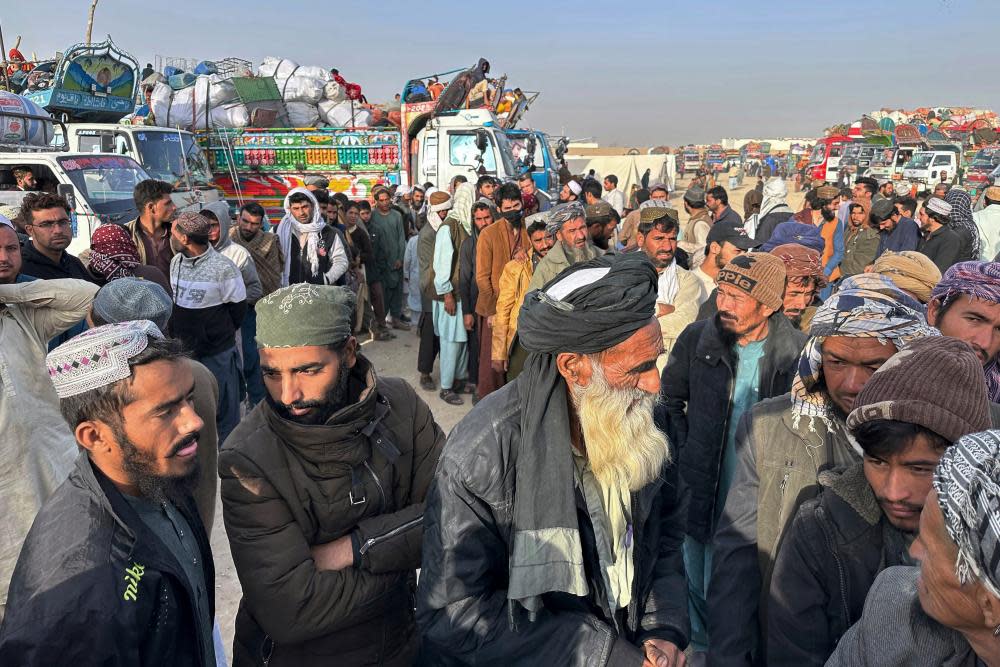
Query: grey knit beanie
935, 382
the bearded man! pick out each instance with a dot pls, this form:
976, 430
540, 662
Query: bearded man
804, 281
553, 521
117, 568
323, 490
568, 224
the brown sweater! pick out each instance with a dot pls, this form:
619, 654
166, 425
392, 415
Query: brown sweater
493, 250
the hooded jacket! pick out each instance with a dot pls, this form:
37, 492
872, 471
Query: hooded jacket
95, 586
209, 302
697, 386
240, 255
287, 487
836, 546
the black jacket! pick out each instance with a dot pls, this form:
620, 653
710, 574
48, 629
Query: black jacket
94, 586
37, 265
462, 604
835, 547
766, 225
943, 247
700, 373
468, 289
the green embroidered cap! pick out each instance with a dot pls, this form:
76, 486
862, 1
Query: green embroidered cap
303, 315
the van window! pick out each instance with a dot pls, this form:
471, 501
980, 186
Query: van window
462, 151
942, 160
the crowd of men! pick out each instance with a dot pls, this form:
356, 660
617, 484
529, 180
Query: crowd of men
722, 439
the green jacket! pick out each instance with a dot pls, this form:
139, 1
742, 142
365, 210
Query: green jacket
555, 261
389, 246
778, 470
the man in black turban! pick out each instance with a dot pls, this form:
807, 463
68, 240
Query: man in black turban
552, 530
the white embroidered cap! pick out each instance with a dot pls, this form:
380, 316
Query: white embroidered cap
98, 357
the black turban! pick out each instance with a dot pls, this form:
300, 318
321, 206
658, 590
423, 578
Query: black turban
616, 298
595, 316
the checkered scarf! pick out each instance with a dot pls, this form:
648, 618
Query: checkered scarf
967, 481
113, 253
867, 305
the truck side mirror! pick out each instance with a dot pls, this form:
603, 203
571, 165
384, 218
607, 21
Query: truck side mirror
481, 140
66, 191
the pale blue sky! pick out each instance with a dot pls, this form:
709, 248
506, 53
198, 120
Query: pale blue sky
622, 73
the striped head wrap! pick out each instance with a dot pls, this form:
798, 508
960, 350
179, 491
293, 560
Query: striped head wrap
967, 482
976, 280
961, 217
563, 213
867, 305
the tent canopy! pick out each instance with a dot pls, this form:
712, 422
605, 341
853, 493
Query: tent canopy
628, 168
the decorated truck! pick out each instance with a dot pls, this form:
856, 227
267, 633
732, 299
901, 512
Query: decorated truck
263, 164
715, 158
977, 174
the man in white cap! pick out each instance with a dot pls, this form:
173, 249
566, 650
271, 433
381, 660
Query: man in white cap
38, 448
117, 565
940, 242
570, 192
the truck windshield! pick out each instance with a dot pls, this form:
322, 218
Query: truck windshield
818, 154
884, 158
920, 161
506, 154
106, 182
168, 155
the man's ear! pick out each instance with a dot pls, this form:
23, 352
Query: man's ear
989, 605
94, 436
574, 368
933, 308
351, 352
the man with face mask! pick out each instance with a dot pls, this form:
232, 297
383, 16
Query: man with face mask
326, 549
785, 442
118, 557
583, 565
498, 244
719, 368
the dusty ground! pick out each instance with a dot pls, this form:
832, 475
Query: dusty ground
394, 358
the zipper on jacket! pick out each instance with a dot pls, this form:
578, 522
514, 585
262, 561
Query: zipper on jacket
381, 491
824, 526
372, 541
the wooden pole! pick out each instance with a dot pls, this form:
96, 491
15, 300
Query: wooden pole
90, 21
3, 59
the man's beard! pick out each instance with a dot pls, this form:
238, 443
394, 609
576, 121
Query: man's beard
247, 237
827, 214
795, 319
726, 331
623, 444
334, 400
140, 469
574, 254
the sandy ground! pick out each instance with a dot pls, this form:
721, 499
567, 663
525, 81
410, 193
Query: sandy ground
392, 358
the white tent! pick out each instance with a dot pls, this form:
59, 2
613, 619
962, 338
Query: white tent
628, 168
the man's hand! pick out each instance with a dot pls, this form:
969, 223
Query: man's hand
397, 265
469, 321
489, 321
336, 555
661, 653
663, 309
499, 365
449, 303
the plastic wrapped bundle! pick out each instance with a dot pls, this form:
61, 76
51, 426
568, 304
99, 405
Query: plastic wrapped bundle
182, 80
334, 92
19, 130
302, 114
296, 84
341, 114
188, 110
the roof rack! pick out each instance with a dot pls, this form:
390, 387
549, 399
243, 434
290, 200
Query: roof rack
7, 144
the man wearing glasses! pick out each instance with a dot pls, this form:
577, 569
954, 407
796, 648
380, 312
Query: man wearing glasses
47, 220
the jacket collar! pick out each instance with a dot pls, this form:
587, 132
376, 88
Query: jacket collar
780, 343
192, 262
336, 441
851, 486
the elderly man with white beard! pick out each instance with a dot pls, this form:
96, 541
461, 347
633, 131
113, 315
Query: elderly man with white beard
553, 528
